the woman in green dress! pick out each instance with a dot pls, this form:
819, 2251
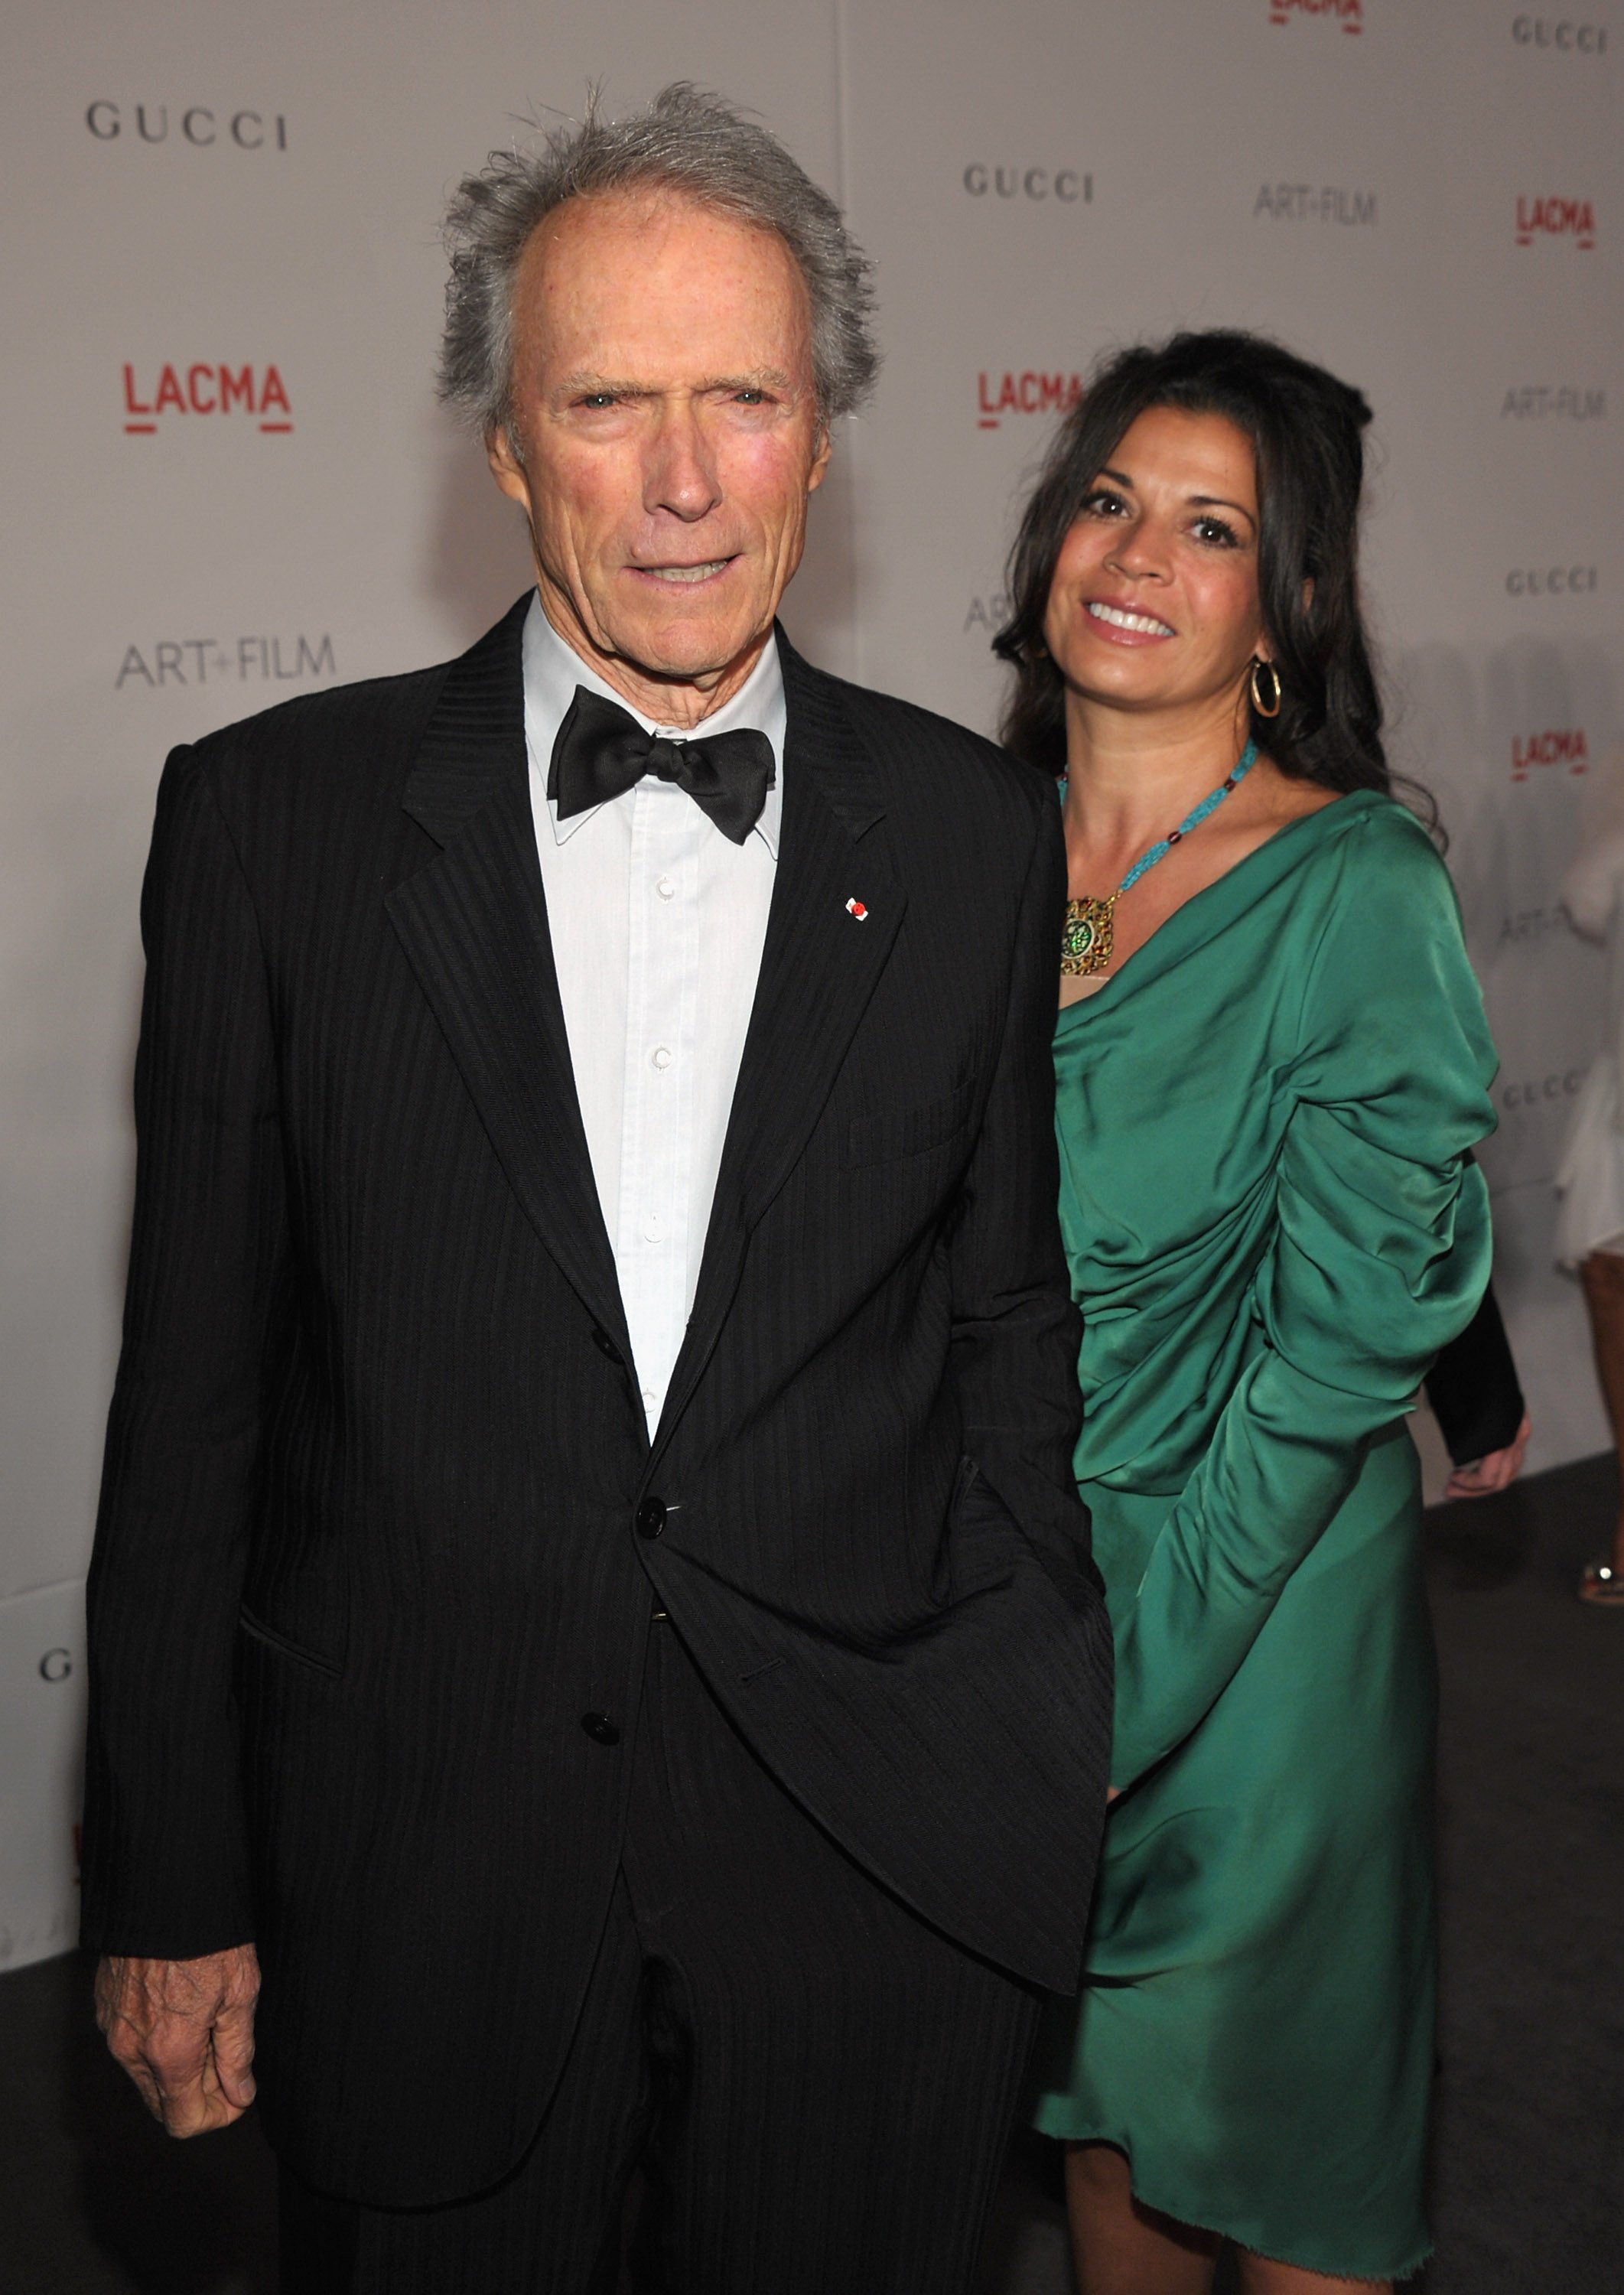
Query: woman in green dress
1272, 1064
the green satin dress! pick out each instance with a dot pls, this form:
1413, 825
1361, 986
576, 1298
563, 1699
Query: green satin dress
1262, 1122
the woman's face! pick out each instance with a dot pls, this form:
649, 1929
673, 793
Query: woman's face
1154, 602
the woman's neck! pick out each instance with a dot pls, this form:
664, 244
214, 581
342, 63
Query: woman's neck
1128, 772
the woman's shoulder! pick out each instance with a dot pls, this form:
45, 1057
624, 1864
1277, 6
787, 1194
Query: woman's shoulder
1372, 849
1383, 934
1380, 831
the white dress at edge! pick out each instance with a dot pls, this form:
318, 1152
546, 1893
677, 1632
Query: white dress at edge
1590, 1180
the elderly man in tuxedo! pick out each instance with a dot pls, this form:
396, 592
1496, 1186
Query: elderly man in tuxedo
596, 1668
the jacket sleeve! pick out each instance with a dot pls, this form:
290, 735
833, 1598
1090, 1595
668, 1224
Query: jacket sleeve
1016, 1334
1380, 1255
1474, 1388
165, 1870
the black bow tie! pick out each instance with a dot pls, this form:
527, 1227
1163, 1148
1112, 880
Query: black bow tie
601, 751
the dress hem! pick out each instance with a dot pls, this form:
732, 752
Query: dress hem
1392, 2275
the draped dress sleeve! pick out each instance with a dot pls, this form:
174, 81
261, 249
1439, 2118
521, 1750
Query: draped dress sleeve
1379, 1255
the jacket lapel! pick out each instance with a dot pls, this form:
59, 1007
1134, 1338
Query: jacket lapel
474, 926
820, 966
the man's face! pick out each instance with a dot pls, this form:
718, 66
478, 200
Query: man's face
668, 439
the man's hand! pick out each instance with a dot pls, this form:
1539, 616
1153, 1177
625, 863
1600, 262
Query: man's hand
184, 2030
1486, 1475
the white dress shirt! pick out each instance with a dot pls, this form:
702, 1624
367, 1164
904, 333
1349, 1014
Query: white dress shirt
657, 921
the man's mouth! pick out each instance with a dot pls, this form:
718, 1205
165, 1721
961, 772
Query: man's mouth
1120, 618
686, 573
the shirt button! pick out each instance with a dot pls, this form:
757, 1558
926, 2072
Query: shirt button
654, 1228
651, 1517
649, 1398
660, 1057
600, 1728
663, 887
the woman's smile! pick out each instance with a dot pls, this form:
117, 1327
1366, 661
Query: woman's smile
1124, 625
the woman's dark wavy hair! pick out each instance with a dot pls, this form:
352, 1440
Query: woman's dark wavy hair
1306, 431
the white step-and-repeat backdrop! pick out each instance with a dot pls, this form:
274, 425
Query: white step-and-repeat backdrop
226, 481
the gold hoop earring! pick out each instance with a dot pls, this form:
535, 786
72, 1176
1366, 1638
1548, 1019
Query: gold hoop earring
1272, 708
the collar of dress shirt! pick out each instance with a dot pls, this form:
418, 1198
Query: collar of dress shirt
552, 670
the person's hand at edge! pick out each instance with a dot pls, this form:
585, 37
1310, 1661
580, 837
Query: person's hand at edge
184, 2030
1484, 1476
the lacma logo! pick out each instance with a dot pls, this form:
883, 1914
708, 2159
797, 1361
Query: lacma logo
1025, 394
1349, 13
1560, 745
1574, 219
205, 390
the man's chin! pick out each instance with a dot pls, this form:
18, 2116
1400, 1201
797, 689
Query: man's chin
683, 650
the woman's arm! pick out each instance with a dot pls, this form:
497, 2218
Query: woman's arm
1473, 1390
1380, 1254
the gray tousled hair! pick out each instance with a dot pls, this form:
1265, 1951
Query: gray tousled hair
688, 142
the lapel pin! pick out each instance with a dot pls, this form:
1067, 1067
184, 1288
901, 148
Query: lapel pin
856, 909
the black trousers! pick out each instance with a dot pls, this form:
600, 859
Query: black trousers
815, 2087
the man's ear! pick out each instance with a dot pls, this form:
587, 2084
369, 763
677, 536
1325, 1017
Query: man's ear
819, 460
506, 468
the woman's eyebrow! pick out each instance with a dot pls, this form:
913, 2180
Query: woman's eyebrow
1221, 501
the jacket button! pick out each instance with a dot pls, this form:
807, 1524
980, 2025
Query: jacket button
605, 1345
600, 1728
651, 1517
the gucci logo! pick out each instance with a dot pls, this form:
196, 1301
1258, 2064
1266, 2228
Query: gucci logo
1550, 581
1065, 184
1551, 1087
249, 131
1564, 33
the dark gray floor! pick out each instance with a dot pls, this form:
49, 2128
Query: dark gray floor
1531, 2150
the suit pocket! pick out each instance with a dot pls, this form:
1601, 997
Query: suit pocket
987, 1543
967, 1472
909, 1130
295, 1652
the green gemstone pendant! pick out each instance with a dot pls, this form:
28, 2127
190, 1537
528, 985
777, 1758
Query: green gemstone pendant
1085, 940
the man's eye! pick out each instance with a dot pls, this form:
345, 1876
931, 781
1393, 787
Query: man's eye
596, 398
750, 397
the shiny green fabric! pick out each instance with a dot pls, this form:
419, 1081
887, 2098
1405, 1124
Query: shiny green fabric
1262, 1122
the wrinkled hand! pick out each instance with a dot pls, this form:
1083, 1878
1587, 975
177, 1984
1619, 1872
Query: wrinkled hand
184, 2030
1486, 1475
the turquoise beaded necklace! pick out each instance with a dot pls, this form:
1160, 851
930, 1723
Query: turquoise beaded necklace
1085, 942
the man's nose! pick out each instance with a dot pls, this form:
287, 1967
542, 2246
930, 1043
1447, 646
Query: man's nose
681, 477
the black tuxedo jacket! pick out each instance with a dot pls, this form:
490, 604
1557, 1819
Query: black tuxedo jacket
382, 1526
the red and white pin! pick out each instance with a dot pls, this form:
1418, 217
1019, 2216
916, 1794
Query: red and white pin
855, 908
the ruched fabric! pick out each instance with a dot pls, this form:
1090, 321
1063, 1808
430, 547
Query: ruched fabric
1263, 1122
